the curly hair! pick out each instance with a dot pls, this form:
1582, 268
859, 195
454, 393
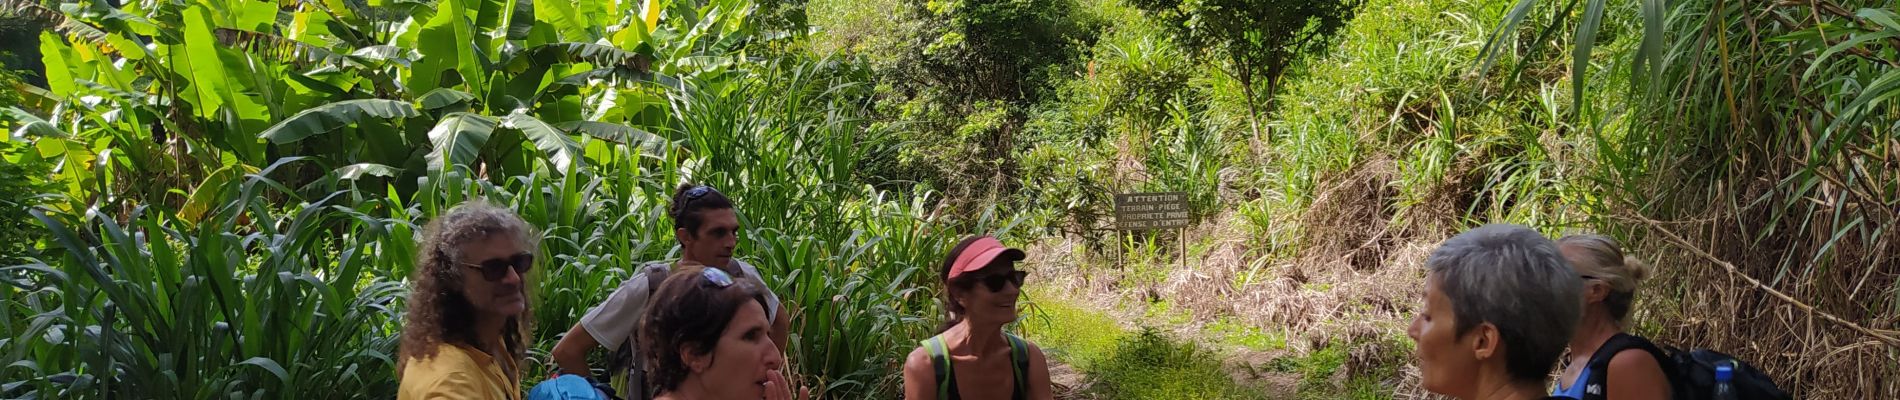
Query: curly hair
438, 311
686, 313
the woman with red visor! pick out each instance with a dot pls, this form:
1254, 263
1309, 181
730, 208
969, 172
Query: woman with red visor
972, 357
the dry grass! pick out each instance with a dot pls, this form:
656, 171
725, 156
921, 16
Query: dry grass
1725, 155
1348, 221
1702, 305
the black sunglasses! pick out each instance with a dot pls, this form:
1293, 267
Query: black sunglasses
697, 192
995, 281
494, 269
694, 194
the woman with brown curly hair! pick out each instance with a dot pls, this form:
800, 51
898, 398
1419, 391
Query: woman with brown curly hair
707, 227
468, 311
706, 337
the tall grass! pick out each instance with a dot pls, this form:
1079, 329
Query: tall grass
1764, 134
1767, 137
259, 300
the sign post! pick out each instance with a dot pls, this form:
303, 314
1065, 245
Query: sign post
1153, 211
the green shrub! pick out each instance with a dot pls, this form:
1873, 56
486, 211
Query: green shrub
22, 190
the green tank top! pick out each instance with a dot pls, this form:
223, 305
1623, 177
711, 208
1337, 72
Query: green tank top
946, 372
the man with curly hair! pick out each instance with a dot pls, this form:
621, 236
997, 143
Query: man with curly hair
463, 336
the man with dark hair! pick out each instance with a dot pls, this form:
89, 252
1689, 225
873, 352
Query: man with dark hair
707, 228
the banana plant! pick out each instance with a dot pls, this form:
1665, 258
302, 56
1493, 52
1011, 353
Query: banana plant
183, 90
243, 180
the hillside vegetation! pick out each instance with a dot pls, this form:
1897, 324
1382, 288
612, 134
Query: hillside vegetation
221, 197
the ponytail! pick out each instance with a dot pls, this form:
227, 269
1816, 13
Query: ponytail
1602, 257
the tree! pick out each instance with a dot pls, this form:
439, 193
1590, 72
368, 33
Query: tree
962, 79
1256, 40
201, 93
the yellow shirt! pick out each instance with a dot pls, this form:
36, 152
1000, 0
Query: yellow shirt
456, 372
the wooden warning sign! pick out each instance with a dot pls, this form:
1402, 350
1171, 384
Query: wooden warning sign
1147, 211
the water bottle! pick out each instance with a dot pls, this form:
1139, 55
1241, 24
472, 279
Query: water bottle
1724, 373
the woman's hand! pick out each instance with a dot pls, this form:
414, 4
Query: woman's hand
777, 389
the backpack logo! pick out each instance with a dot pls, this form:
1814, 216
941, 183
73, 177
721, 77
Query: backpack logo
1593, 389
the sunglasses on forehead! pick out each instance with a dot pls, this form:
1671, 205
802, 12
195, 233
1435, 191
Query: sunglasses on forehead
995, 281
494, 269
697, 192
715, 277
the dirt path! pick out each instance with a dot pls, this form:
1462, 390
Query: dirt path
1069, 383
1294, 329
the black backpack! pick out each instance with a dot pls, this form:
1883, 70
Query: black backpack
1691, 373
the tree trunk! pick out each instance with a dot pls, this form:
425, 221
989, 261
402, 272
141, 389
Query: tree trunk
1273, 86
1253, 111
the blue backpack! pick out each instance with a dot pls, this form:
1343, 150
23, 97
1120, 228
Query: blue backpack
570, 387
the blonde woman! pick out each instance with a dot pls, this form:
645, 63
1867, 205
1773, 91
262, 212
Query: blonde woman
1605, 362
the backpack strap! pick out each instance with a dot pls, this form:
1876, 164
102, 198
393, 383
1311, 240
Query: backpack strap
1019, 361
940, 364
1596, 385
656, 274
623, 359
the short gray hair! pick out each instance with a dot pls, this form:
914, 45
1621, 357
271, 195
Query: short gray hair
1515, 279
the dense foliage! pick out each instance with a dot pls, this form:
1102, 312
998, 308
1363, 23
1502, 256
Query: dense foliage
236, 185
220, 196
1255, 41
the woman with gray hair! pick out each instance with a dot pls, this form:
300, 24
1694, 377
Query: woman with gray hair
1500, 304
464, 335
1601, 352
